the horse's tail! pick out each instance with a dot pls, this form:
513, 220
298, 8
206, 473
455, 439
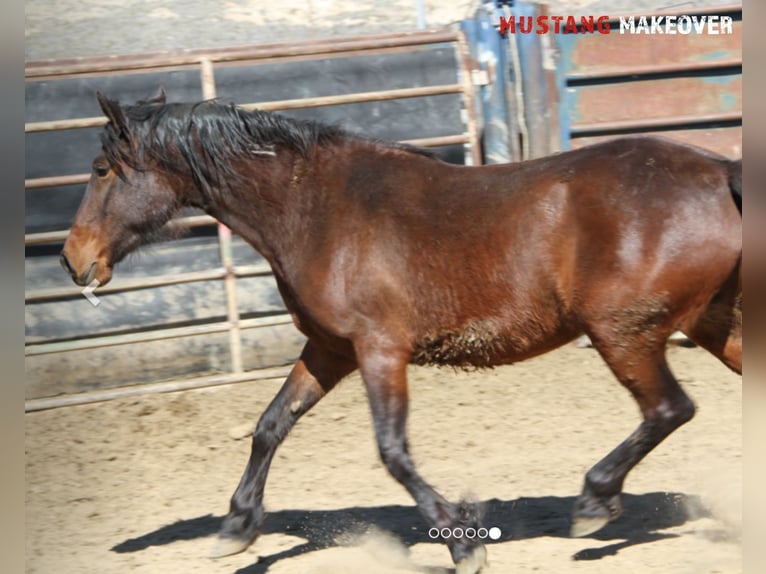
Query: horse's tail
734, 169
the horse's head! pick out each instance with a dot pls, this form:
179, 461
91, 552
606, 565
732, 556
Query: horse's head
128, 199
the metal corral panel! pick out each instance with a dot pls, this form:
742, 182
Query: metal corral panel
588, 55
686, 87
596, 106
77, 371
206, 305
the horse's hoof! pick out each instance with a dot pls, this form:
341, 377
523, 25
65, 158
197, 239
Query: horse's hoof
473, 563
225, 546
592, 513
584, 525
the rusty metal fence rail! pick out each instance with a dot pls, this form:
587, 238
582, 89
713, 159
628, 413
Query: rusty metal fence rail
207, 61
686, 87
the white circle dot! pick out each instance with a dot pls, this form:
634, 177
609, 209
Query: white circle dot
494, 533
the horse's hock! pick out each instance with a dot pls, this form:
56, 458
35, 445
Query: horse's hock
205, 307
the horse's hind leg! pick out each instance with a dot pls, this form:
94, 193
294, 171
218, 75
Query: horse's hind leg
639, 364
719, 328
313, 376
385, 377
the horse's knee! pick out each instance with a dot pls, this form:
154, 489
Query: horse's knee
271, 430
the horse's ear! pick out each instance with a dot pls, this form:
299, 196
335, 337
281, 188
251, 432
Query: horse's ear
114, 113
158, 98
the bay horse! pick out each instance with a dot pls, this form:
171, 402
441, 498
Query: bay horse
386, 256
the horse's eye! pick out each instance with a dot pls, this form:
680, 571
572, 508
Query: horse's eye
101, 170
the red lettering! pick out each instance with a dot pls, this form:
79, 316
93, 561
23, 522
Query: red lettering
587, 24
571, 26
506, 25
528, 20
542, 24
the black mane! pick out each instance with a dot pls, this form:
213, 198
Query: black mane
209, 135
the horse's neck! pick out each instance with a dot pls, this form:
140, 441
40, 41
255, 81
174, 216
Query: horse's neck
268, 206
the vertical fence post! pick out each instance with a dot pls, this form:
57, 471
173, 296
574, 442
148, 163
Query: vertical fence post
224, 241
469, 104
500, 134
534, 84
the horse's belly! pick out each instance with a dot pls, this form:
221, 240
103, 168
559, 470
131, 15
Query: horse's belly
484, 344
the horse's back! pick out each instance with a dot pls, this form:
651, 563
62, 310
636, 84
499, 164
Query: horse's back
487, 265
635, 230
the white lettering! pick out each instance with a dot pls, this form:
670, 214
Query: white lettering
628, 24
726, 24
684, 25
643, 26
699, 23
670, 25
712, 25
681, 24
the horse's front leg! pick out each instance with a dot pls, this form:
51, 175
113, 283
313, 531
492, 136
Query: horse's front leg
385, 377
313, 376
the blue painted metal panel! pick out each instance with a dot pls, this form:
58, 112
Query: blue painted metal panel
489, 50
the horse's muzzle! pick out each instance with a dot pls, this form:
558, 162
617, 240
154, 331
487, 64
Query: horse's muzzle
82, 279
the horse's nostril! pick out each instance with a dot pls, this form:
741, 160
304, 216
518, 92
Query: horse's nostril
65, 264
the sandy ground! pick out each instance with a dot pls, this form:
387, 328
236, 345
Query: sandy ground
140, 485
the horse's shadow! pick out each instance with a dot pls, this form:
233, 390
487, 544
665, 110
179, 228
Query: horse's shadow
518, 519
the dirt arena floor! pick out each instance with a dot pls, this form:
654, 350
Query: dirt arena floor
140, 485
